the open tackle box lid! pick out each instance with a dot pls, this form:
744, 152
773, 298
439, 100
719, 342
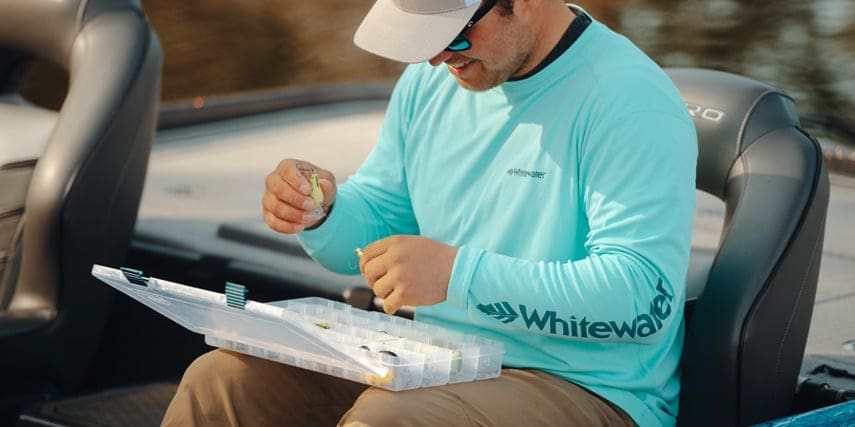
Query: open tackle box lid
318, 334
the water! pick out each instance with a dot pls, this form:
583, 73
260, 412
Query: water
805, 48
224, 46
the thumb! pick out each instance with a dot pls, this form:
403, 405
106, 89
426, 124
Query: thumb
329, 189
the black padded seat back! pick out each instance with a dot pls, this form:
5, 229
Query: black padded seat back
84, 190
24, 132
746, 335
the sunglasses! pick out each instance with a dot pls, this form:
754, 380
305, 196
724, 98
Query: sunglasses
461, 43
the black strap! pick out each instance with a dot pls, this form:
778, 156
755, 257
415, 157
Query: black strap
576, 28
833, 372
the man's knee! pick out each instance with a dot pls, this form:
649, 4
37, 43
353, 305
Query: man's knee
226, 388
203, 396
376, 407
218, 363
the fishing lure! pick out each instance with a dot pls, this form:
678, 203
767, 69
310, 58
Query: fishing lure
317, 196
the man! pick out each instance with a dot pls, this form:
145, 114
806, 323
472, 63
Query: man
541, 166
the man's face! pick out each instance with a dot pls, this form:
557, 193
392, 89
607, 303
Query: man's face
501, 48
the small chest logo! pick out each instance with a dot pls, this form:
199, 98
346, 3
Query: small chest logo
522, 173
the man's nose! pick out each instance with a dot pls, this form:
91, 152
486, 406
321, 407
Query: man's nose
440, 58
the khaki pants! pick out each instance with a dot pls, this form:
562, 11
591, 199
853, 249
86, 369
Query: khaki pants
225, 388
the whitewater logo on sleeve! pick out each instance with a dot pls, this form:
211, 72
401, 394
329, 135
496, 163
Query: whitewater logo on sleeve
501, 311
644, 325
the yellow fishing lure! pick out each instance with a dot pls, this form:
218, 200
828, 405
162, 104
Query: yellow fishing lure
316, 194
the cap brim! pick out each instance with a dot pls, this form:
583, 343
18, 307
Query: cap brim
409, 37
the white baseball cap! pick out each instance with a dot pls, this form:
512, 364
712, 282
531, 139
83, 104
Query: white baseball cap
413, 30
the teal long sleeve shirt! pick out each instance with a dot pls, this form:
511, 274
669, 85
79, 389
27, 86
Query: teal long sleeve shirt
570, 195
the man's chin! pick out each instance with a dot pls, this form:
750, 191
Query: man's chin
472, 88
470, 76
474, 84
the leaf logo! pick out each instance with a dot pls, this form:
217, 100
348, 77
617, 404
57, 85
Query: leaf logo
501, 311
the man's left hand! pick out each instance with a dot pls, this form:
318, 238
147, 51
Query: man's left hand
408, 270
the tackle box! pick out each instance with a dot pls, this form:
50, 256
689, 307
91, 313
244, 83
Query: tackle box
318, 334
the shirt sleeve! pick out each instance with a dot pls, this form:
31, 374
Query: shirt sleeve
374, 203
637, 177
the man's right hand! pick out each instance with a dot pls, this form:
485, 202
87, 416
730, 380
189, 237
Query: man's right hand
286, 204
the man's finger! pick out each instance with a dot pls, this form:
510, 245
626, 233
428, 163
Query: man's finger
375, 249
391, 303
373, 270
327, 188
295, 174
286, 194
281, 226
383, 287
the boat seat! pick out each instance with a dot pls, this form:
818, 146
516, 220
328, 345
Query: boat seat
71, 179
749, 304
